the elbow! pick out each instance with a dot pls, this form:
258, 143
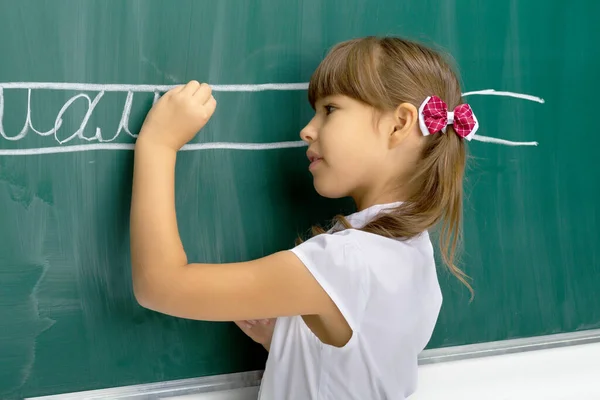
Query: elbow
144, 289
154, 288
153, 280
142, 294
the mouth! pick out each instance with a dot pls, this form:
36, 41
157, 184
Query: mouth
314, 163
314, 158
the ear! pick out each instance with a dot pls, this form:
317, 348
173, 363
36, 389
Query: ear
406, 121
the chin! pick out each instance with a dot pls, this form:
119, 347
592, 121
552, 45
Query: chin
328, 189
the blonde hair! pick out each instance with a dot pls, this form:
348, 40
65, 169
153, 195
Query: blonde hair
384, 73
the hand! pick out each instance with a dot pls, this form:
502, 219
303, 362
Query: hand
179, 115
261, 331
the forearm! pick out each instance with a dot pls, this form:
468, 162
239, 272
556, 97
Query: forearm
155, 243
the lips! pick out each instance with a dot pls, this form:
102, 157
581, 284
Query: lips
313, 156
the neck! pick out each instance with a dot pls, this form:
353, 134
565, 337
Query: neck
367, 198
364, 202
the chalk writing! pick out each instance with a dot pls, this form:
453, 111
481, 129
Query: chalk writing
104, 143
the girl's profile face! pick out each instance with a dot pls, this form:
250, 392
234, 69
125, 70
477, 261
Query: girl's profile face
348, 145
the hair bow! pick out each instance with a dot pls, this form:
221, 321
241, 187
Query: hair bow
434, 117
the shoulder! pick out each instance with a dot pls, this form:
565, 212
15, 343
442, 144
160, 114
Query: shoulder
418, 249
357, 250
347, 239
327, 250
340, 266
358, 267
399, 266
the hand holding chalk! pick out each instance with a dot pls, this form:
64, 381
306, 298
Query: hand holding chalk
179, 115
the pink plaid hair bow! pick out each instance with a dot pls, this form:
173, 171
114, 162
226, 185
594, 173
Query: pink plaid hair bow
434, 117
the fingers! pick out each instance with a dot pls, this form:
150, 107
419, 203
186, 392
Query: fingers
201, 97
196, 89
243, 325
203, 94
259, 321
190, 88
210, 107
176, 89
248, 324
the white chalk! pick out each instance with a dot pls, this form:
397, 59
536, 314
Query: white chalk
131, 146
105, 143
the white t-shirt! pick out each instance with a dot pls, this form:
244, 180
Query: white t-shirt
388, 292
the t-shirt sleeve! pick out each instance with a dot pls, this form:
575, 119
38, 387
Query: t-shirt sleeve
338, 265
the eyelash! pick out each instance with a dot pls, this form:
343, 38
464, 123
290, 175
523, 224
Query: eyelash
329, 109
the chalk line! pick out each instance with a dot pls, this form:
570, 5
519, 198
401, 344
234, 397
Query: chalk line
114, 87
131, 146
204, 146
494, 92
156, 89
488, 139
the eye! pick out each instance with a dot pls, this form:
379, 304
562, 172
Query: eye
329, 109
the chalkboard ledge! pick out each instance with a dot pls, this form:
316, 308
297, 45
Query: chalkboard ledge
242, 386
511, 346
217, 384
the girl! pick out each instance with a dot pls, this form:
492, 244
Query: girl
352, 307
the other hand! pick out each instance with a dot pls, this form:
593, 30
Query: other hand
261, 331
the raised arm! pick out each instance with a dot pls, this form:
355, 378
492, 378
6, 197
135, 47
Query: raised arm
163, 280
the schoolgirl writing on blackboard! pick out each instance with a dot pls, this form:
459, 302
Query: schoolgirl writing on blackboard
345, 313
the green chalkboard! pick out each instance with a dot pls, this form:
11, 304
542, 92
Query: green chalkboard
68, 319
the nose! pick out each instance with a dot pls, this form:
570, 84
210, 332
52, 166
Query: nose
309, 133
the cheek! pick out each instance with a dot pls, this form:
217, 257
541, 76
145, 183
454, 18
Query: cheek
351, 158
342, 173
